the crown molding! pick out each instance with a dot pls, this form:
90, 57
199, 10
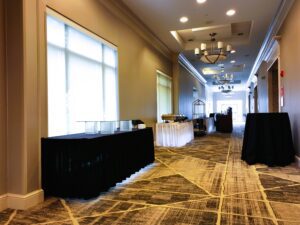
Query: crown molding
269, 40
272, 54
120, 10
191, 69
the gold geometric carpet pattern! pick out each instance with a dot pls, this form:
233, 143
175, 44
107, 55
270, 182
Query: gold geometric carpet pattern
204, 182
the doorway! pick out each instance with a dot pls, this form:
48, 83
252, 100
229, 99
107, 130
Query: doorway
237, 109
273, 91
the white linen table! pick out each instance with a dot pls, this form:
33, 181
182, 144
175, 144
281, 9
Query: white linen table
174, 134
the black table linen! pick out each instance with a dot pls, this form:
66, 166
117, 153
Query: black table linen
84, 165
268, 139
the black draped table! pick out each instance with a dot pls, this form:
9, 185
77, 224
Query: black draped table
268, 139
83, 165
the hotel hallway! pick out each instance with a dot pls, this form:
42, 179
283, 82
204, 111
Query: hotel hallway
204, 182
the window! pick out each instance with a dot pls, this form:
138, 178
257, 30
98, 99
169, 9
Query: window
164, 95
82, 78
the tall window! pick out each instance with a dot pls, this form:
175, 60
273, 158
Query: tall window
164, 95
82, 78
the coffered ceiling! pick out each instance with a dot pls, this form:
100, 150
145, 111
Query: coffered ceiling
245, 31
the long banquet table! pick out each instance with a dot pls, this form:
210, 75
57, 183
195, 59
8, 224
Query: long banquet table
268, 139
84, 165
174, 134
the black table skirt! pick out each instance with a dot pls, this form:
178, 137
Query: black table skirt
268, 139
84, 165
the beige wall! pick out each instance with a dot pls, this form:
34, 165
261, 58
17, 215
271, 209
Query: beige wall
15, 99
175, 82
2, 102
289, 58
186, 84
289, 62
27, 86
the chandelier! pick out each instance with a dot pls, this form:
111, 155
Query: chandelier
223, 79
212, 55
226, 88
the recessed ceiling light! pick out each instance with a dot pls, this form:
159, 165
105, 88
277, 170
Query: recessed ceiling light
232, 51
201, 1
184, 19
230, 12
232, 61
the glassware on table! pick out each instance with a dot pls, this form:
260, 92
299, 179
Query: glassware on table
125, 125
91, 127
108, 127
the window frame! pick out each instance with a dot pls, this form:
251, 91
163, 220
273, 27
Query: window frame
160, 73
104, 66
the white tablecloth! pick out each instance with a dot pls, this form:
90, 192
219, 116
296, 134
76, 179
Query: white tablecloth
174, 134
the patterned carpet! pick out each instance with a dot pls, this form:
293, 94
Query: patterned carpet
204, 182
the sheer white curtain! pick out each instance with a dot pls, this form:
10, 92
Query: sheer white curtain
164, 95
82, 79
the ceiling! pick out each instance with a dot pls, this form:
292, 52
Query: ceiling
252, 19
